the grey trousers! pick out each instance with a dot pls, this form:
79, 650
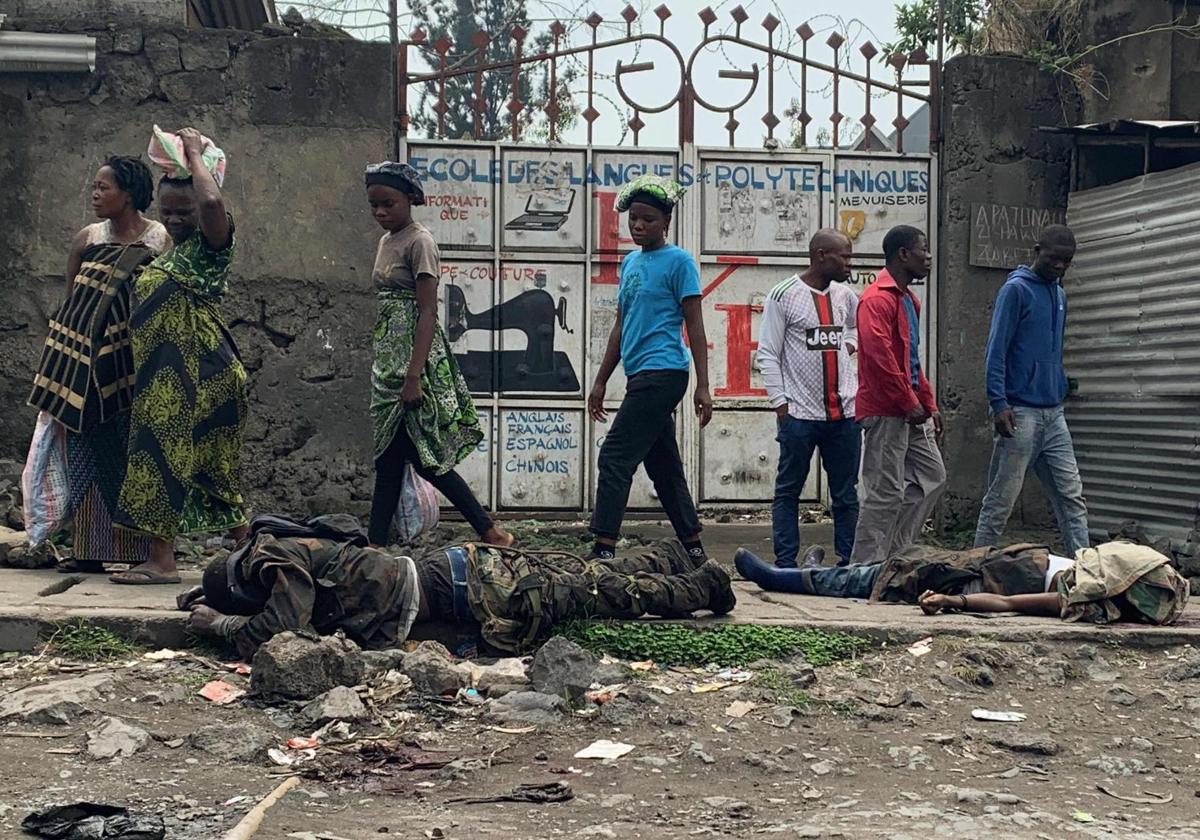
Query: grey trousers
902, 478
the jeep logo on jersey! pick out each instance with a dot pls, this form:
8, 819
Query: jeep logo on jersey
823, 338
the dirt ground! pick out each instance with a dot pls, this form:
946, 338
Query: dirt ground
880, 746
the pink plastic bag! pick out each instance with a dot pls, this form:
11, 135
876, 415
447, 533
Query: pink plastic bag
417, 512
166, 152
44, 480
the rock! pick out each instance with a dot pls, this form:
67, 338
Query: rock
1098, 670
26, 557
1025, 744
1120, 695
244, 742
732, 807
766, 762
654, 761
696, 750
1188, 669
909, 758
527, 707
339, 703
114, 737
292, 18
1115, 766
987, 656
1053, 674
564, 668
954, 683
276, 30
165, 696
500, 689
619, 712
210, 53
1087, 652
58, 702
616, 800
301, 667
382, 661
162, 48
432, 670
822, 768
200, 87
599, 830
1141, 744
610, 673
128, 41
502, 672
10, 540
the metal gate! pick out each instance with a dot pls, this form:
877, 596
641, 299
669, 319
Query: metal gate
1134, 317
531, 248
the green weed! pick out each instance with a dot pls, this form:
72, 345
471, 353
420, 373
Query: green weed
726, 645
781, 689
91, 643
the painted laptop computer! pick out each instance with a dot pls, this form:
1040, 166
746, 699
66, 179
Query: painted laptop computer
544, 211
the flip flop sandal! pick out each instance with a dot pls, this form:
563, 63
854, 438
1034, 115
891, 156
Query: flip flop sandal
141, 577
75, 566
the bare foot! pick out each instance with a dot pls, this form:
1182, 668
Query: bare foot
498, 536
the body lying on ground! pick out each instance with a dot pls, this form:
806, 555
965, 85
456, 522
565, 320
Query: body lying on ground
1113, 582
321, 576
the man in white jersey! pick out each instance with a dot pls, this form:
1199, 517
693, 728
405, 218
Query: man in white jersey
806, 342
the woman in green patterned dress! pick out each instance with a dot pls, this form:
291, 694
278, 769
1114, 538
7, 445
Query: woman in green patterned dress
189, 398
421, 409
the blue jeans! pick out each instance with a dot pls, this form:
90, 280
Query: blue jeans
1041, 442
840, 444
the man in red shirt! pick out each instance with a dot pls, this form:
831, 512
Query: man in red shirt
902, 470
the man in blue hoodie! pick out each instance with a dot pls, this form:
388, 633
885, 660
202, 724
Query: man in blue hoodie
1026, 385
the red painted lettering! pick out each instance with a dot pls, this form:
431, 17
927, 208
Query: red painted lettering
738, 348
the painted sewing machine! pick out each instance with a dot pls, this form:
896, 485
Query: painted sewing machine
539, 367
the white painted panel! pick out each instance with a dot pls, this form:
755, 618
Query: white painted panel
873, 195
739, 457
542, 463
610, 172
541, 328
758, 206
543, 200
465, 300
476, 469
459, 194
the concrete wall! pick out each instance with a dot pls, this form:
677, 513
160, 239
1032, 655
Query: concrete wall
1147, 77
299, 119
992, 153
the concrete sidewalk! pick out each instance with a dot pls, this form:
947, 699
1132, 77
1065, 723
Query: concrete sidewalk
33, 603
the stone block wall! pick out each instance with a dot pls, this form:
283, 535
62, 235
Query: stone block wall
298, 119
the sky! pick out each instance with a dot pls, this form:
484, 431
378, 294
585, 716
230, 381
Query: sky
857, 20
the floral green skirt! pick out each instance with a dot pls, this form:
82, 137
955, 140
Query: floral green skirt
445, 427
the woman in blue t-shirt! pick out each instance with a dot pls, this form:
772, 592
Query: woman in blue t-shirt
659, 292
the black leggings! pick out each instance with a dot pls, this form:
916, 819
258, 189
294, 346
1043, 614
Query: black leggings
389, 474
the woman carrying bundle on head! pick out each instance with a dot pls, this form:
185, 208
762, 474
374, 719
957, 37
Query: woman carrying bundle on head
189, 398
84, 380
421, 409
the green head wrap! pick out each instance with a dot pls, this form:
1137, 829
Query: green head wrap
650, 189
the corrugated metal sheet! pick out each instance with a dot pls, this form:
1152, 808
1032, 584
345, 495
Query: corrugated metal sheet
230, 14
39, 52
1133, 342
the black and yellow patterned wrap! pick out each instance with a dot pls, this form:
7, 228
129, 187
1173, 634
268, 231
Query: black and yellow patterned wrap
189, 406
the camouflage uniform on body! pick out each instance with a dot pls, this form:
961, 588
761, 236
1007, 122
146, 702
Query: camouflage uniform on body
324, 584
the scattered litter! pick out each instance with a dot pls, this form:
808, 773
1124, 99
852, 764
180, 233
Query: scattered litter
308, 835
334, 732
470, 696
998, 717
302, 743
661, 688
93, 819
221, 692
604, 694
1147, 798
645, 665
235, 800
513, 730
604, 748
740, 708
239, 668
735, 675
288, 758
921, 647
538, 794
163, 655
1083, 817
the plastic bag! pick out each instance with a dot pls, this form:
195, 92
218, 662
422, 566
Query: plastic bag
44, 480
417, 512
166, 152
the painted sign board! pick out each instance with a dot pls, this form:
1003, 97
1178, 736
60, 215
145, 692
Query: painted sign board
542, 458
542, 199
760, 206
1003, 235
460, 203
873, 195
